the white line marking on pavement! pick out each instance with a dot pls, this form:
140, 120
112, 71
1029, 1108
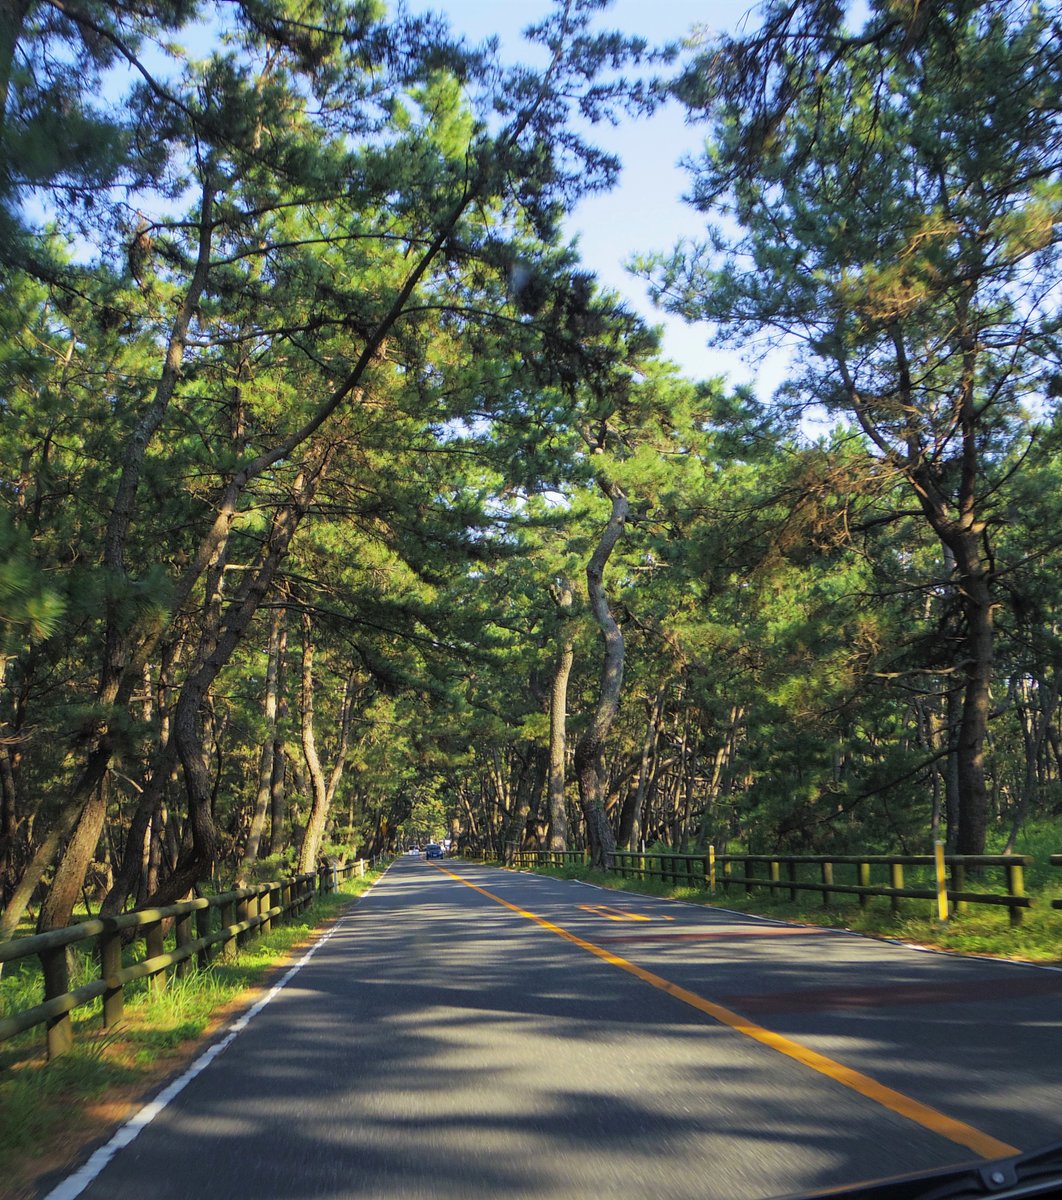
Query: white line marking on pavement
76, 1183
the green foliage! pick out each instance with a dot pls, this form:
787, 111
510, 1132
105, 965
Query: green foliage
30, 610
398, 394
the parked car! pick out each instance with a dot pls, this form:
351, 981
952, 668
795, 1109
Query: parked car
434, 850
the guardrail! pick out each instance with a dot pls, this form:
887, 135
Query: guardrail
708, 870
242, 912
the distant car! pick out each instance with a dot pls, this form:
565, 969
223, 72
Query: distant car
434, 850
413, 850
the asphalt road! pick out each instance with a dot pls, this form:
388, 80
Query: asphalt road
471, 1032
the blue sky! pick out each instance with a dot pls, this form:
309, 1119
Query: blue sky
645, 212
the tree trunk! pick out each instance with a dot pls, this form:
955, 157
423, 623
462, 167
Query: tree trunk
8, 803
1034, 726
127, 879
12, 18
278, 809
318, 814
630, 827
590, 749
118, 667
528, 795
199, 859
277, 637
558, 705
34, 872
65, 890
976, 708
322, 790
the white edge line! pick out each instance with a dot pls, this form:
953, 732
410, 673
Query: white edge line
73, 1185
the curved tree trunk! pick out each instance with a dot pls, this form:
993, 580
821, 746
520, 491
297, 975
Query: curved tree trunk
590, 749
266, 765
40, 862
58, 906
322, 789
318, 814
558, 705
197, 860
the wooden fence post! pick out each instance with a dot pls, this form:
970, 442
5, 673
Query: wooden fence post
204, 920
1016, 887
792, 873
110, 945
229, 913
246, 908
711, 869
827, 882
863, 875
154, 943
896, 880
182, 935
56, 969
958, 884
942, 883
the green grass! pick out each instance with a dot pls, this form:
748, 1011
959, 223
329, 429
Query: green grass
45, 1107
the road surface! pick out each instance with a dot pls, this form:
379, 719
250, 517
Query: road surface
472, 1032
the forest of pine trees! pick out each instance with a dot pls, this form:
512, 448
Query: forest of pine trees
343, 507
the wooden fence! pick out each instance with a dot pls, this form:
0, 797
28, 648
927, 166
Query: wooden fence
550, 858
766, 871
943, 877
240, 914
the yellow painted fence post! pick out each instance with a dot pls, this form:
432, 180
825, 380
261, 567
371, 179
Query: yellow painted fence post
942, 881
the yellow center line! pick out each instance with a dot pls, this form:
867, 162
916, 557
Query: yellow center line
612, 914
922, 1114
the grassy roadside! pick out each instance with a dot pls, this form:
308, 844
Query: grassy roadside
50, 1111
978, 930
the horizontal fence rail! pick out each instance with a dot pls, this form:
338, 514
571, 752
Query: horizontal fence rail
944, 882
766, 871
550, 858
222, 923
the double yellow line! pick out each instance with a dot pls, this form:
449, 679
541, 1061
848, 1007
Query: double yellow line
922, 1114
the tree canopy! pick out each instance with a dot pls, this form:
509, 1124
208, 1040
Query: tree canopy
342, 506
